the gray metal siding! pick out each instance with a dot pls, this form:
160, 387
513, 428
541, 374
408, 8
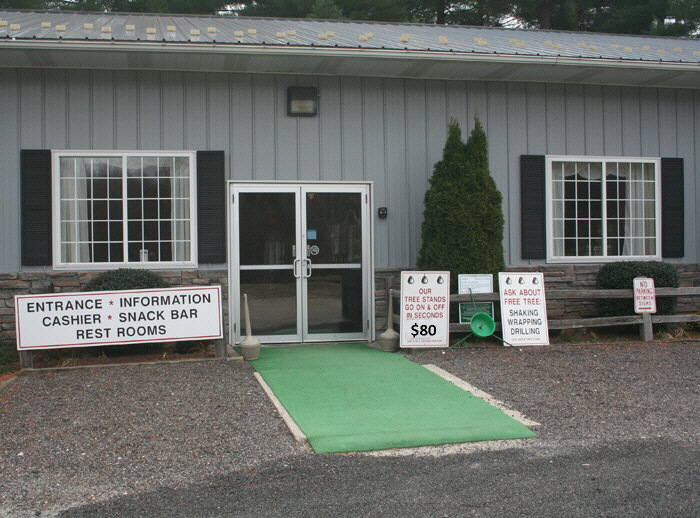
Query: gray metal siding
692, 190
389, 131
9, 172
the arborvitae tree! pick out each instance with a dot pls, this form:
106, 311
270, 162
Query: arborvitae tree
326, 10
463, 220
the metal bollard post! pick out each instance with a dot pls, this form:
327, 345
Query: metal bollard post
647, 330
26, 359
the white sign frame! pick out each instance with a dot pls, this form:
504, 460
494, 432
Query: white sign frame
474, 283
523, 308
94, 318
425, 303
644, 295
468, 283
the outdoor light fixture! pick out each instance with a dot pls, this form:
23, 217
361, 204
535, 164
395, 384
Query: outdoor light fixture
302, 101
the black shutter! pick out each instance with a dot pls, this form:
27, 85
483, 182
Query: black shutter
672, 208
35, 186
211, 206
532, 207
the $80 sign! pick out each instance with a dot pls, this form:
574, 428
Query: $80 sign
425, 309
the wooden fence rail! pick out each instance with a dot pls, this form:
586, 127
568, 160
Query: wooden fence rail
645, 321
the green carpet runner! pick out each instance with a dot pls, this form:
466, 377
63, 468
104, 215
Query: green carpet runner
351, 397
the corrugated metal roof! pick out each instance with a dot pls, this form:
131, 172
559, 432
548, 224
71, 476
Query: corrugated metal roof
231, 30
51, 39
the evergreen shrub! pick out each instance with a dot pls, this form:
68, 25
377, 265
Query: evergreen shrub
125, 279
620, 275
9, 359
463, 220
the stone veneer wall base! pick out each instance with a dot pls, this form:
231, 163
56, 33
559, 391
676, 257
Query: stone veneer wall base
562, 277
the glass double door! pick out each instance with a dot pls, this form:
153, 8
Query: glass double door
301, 255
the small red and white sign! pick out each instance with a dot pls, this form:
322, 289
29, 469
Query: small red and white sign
118, 317
644, 295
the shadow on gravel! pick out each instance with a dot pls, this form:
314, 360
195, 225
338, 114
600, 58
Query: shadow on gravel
632, 478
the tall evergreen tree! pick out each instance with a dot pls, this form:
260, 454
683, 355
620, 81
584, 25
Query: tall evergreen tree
137, 6
471, 12
22, 4
548, 14
659, 17
463, 219
662, 17
376, 10
326, 10
277, 8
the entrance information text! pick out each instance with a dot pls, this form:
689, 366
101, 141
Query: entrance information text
425, 309
523, 308
118, 317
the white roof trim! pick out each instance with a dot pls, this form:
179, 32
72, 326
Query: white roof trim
360, 53
320, 61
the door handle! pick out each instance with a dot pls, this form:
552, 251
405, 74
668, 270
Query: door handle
307, 274
296, 263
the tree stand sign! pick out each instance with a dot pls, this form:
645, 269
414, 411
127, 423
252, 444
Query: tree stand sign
425, 309
523, 308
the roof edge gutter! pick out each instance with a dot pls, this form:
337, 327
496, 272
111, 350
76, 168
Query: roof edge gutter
342, 52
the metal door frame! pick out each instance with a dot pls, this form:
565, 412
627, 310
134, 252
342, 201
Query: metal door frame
300, 189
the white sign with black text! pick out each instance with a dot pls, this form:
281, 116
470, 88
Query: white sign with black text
523, 308
118, 317
474, 283
425, 309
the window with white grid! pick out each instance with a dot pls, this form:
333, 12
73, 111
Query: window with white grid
123, 209
603, 208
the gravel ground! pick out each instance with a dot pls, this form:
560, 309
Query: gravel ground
100, 441
81, 436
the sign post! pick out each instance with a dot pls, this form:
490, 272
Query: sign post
425, 309
523, 308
